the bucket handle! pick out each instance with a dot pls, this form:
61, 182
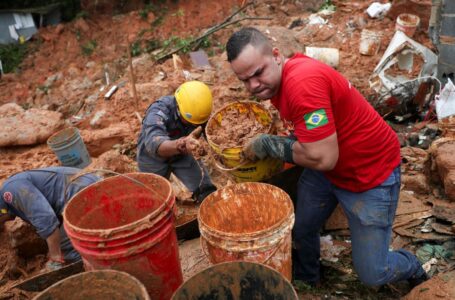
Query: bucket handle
220, 166
265, 261
105, 171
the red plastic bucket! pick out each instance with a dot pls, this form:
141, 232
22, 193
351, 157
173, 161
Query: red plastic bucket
126, 223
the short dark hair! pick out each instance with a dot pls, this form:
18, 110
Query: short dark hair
243, 37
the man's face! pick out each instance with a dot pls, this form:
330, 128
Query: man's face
260, 72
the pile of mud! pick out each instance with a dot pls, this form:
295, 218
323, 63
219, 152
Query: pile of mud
236, 129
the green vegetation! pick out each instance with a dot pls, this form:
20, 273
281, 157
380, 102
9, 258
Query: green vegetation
12, 55
89, 47
328, 5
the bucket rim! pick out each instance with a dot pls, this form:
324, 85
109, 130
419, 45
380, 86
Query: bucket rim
74, 132
275, 227
224, 107
169, 202
125, 275
243, 262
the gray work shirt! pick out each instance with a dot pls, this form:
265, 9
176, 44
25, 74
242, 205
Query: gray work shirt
38, 196
161, 123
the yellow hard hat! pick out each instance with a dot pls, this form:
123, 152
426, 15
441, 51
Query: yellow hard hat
194, 101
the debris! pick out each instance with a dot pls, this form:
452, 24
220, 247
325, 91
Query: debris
377, 9
27, 127
407, 23
200, 59
24, 239
111, 91
314, 19
445, 102
412, 231
438, 287
330, 56
370, 42
101, 140
429, 251
330, 251
427, 266
444, 161
403, 68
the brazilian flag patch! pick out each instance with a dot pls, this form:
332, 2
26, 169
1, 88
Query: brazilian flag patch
315, 119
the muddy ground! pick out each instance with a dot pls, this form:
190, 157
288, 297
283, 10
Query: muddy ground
71, 66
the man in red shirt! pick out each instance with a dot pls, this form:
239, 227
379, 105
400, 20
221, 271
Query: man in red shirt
351, 156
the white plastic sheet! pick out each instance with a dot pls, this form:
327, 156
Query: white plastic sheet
445, 103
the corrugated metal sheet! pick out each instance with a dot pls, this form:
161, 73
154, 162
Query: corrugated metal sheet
13, 25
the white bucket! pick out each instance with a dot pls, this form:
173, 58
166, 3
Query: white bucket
330, 56
370, 42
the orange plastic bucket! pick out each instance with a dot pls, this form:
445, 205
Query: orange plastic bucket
249, 222
126, 223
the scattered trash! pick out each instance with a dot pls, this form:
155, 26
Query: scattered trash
404, 68
407, 23
427, 226
200, 59
427, 266
445, 102
370, 42
430, 251
377, 9
112, 90
314, 19
330, 56
330, 251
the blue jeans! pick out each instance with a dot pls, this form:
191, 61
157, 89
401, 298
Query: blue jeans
370, 215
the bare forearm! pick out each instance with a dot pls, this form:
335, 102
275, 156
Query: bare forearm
53, 243
168, 149
322, 158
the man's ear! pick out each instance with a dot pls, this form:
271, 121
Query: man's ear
277, 55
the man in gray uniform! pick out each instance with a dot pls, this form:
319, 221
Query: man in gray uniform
38, 197
162, 142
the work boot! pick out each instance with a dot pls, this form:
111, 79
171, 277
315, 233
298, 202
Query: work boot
418, 279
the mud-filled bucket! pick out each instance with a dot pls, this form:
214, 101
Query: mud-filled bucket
249, 222
126, 223
69, 147
229, 147
105, 284
237, 280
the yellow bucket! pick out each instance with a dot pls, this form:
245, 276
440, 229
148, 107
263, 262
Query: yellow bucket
231, 157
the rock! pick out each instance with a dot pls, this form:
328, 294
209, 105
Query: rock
97, 119
416, 182
315, 33
24, 239
102, 140
445, 164
282, 38
20, 127
114, 161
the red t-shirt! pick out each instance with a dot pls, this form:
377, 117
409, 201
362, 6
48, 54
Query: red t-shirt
319, 101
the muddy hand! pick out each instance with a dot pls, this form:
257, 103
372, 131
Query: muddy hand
253, 149
196, 133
